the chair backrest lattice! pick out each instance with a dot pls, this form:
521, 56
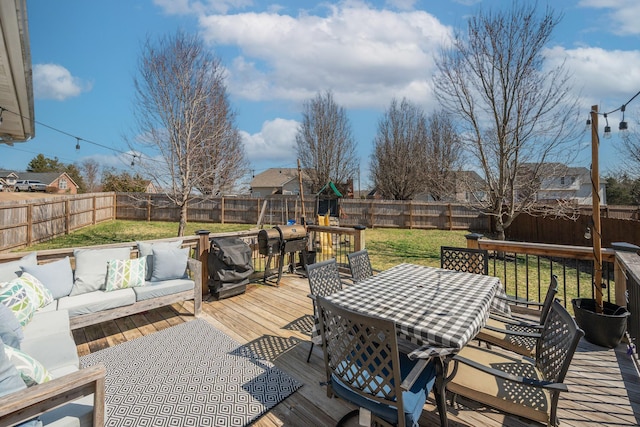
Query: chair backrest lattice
324, 278
360, 265
557, 343
548, 299
464, 259
362, 353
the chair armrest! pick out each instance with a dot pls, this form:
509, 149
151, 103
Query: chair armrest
312, 296
513, 333
26, 404
516, 321
412, 376
195, 267
548, 385
513, 300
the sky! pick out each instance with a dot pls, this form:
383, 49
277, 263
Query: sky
279, 54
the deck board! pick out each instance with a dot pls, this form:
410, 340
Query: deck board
274, 321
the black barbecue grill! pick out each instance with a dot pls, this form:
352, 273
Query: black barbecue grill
281, 240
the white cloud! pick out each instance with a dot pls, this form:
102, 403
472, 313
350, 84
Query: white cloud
276, 141
185, 7
602, 75
364, 55
623, 14
53, 81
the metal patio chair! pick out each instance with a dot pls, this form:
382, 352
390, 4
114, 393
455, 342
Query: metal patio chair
464, 259
360, 265
324, 279
364, 366
522, 386
516, 333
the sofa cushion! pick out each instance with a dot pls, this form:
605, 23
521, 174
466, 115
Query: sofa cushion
78, 413
31, 371
12, 269
10, 379
160, 289
46, 323
15, 296
56, 352
145, 251
10, 329
56, 276
123, 274
38, 293
91, 268
95, 301
169, 263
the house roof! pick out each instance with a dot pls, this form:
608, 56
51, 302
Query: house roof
45, 177
275, 177
16, 85
555, 169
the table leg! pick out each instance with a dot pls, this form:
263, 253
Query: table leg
439, 388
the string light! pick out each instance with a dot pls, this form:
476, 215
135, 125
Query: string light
622, 127
77, 143
607, 128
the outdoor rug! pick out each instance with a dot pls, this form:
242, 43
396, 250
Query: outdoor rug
188, 375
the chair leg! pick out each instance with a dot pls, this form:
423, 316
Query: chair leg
310, 350
348, 416
440, 391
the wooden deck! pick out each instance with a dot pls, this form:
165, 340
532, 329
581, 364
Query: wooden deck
604, 384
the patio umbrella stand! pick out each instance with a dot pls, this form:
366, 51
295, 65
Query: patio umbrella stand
605, 329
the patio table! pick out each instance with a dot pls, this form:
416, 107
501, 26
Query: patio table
438, 310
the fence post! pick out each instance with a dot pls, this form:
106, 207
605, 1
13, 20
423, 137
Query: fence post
67, 217
222, 211
149, 208
94, 215
203, 256
359, 241
29, 224
472, 240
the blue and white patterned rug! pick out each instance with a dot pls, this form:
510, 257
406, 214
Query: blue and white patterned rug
188, 375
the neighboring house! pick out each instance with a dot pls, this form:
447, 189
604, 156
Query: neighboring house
56, 182
469, 187
8, 178
566, 183
279, 181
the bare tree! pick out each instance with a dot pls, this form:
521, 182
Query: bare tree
325, 145
398, 162
443, 156
182, 112
91, 172
630, 149
514, 111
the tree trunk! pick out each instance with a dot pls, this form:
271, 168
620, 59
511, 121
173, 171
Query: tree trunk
182, 225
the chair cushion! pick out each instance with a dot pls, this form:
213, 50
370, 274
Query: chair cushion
91, 268
127, 273
46, 323
10, 329
533, 403
160, 289
56, 276
95, 301
56, 352
145, 249
413, 400
521, 345
12, 269
169, 263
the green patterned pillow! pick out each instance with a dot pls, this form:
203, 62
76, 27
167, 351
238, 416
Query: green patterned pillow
15, 296
125, 273
31, 371
35, 289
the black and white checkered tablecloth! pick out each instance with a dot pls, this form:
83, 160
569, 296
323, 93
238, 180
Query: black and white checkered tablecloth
439, 310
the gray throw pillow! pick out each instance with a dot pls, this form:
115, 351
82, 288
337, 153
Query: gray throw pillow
11, 270
10, 379
169, 263
10, 329
145, 250
56, 276
91, 268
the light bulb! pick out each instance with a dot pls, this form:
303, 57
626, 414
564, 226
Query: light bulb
607, 132
588, 126
587, 233
623, 128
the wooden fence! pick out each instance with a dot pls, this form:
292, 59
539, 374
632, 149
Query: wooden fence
23, 223
26, 222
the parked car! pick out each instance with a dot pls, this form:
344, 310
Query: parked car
30, 185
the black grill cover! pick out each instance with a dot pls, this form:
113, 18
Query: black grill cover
229, 262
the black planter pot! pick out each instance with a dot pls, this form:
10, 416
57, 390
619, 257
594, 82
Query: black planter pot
604, 329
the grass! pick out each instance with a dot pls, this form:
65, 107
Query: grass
387, 247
